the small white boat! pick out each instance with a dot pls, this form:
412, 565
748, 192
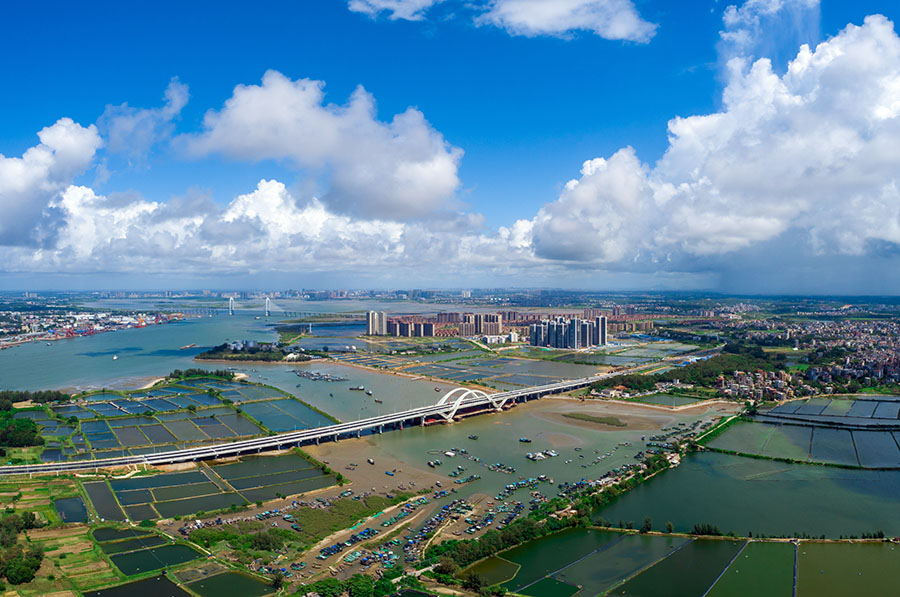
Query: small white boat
115, 357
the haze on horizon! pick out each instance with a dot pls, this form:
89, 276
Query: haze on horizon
588, 144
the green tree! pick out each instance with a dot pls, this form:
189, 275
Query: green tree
647, 526
446, 565
360, 585
277, 580
328, 587
22, 570
473, 582
383, 587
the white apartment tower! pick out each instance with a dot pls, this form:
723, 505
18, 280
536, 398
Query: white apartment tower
376, 323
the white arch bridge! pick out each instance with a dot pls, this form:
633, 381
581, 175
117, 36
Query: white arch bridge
452, 404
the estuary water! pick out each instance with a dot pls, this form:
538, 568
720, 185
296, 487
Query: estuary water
86, 363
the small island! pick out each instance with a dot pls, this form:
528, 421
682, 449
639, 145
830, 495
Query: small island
249, 350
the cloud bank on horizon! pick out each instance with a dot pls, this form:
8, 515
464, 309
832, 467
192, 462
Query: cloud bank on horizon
804, 161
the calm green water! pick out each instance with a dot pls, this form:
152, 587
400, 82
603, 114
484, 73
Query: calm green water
831, 570
550, 587
133, 544
744, 437
688, 572
540, 558
618, 561
747, 495
153, 559
678, 566
231, 584
494, 570
760, 569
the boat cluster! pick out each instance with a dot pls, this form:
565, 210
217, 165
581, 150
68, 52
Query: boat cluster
318, 376
497, 467
535, 456
529, 483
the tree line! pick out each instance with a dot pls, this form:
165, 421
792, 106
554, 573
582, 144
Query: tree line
734, 357
41, 397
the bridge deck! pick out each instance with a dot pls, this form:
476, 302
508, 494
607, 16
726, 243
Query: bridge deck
447, 408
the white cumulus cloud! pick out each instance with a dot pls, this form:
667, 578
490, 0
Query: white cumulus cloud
30, 184
395, 170
409, 10
812, 153
267, 229
610, 19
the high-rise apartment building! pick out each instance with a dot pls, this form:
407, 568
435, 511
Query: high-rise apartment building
372, 323
491, 324
571, 333
376, 323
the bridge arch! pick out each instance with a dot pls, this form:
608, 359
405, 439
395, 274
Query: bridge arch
457, 396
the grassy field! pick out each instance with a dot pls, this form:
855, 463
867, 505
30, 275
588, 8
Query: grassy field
612, 421
30, 455
288, 337
37, 495
318, 524
72, 561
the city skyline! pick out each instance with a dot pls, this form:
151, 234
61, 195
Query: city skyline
600, 144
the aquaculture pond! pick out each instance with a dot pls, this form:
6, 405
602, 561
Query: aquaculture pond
147, 560
761, 568
832, 569
867, 448
104, 501
653, 565
262, 478
256, 478
747, 495
231, 584
156, 586
689, 571
554, 552
194, 412
71, 509
621, 559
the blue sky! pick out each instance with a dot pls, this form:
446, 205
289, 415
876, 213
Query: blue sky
509, 111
